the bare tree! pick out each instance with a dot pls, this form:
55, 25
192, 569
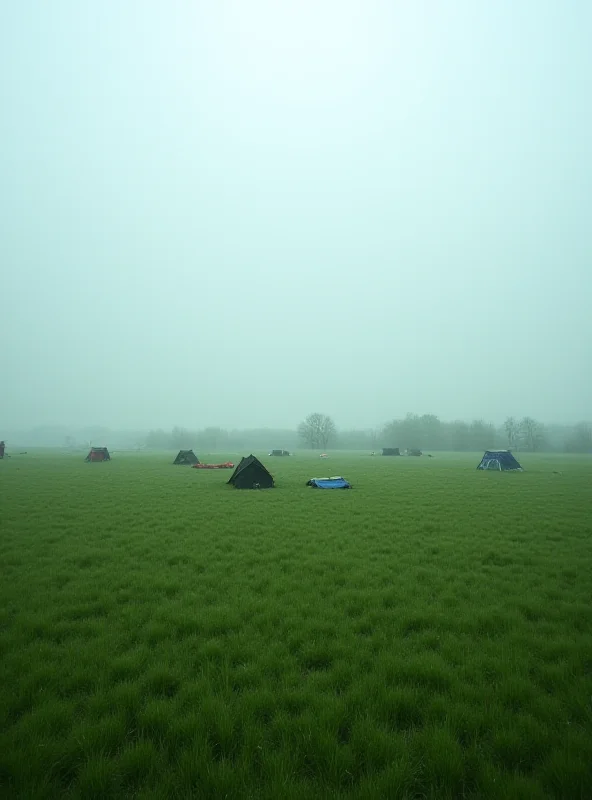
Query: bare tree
512, 431
531, 433
317, 430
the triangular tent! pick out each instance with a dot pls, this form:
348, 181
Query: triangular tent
391, 451
336, 482
500, 460
251, 474
186, 457
98, 454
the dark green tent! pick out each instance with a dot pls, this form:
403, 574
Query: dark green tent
251, 474
186, 457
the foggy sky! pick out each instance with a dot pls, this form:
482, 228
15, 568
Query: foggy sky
238, 212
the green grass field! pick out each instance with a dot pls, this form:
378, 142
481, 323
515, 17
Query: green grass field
426, 635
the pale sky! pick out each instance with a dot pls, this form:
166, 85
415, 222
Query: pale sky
238, 212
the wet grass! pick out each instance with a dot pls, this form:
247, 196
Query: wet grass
428, 634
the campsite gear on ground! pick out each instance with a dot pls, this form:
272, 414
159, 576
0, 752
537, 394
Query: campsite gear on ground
226, 465
502, 460
251, 474
336, 482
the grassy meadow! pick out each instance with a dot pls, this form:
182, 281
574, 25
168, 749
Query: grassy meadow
426, 635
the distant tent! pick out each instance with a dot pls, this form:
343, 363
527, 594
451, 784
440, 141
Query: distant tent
186, 457
499, 459
414, 452
2, 446
391, 451
98, 454
336, 482
251, 474
279, 453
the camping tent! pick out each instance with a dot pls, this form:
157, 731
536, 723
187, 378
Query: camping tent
499, 459
336, 482
411, 452
186, 457
98, 454
279, 453
391, 451
251, 474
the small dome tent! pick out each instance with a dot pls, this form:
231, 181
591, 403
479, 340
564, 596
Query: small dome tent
502, 460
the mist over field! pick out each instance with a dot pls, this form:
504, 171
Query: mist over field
332, 230
233, 214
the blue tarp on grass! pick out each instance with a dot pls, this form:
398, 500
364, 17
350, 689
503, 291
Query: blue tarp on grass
329, 483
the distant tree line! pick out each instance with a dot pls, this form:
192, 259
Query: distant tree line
319, 432
428, 432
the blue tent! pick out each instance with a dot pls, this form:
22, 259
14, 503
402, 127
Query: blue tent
336, 482
500, 460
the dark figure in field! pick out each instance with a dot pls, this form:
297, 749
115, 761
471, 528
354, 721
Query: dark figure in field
2, 445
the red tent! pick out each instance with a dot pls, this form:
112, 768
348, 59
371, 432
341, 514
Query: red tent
98, 454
